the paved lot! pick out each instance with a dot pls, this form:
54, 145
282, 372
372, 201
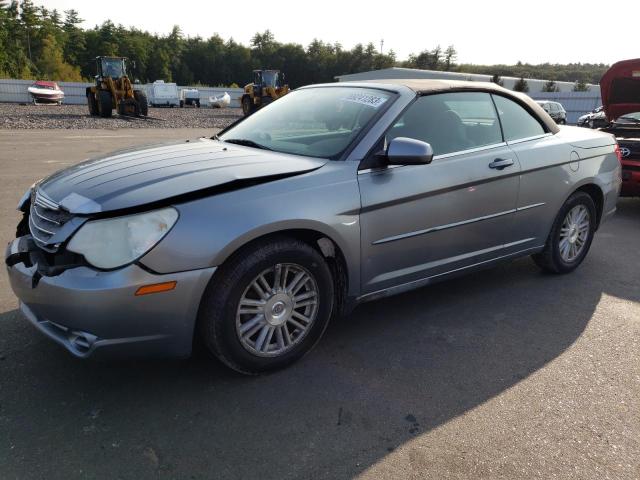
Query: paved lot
508, 373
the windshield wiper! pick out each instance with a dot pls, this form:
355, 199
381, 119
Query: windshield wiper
246, 143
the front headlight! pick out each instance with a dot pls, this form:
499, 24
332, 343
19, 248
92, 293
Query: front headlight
114, 242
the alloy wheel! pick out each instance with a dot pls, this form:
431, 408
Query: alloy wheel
574, 233
277, 309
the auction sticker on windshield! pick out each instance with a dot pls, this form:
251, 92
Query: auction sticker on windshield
367, 99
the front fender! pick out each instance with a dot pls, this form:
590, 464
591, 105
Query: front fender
210, 229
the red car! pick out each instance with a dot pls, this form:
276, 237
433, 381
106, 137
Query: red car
620, 90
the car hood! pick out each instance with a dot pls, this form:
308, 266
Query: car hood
137, 177
620, 89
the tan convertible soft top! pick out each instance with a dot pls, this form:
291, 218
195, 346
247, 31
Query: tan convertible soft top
427, 86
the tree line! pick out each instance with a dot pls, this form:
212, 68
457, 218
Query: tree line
39, 43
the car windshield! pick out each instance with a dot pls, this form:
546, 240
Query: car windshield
112, 67
269, 78
627, 118
315, 122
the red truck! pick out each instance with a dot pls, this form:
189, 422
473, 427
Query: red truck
620, 90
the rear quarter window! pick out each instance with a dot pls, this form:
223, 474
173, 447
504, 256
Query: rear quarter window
517, 122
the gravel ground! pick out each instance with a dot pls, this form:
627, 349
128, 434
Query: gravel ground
16, 116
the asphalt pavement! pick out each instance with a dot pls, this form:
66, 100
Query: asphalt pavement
508, 373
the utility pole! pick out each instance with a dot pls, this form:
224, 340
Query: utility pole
381, 44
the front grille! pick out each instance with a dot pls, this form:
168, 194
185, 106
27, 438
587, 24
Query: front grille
631, 148
45, 220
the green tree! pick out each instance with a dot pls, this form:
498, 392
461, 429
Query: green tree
74, 44
521, 85
550, 86
158, 67
29, 21
580, 86
497, 80
52, 66
450, 55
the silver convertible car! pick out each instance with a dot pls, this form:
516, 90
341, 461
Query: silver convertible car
251, 241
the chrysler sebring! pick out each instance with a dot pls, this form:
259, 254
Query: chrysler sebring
251, 241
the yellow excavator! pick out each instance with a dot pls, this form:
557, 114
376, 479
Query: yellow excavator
114, 91
267, 86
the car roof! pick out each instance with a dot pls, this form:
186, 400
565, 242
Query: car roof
428, 86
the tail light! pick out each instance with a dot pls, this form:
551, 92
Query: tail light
618, 153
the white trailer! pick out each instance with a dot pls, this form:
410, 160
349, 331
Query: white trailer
189, 96
162, 94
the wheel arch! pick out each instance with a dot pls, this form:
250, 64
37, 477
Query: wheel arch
597, 195
327, 246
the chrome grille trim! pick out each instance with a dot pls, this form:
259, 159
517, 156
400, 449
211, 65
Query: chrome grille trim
42, 229
46, 218
46, 202
33, 233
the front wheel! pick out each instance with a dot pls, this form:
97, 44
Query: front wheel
571, 235
268, 306
247, 106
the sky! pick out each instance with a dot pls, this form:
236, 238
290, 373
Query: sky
482, 31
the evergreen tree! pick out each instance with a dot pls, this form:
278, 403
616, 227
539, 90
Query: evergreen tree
521, 86
580, 86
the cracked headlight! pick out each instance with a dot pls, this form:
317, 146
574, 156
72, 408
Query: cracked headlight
114, 242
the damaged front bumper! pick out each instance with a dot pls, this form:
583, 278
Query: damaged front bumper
96, 313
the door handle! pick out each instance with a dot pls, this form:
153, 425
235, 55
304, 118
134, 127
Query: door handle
501, 163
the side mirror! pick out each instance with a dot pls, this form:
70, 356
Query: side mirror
409, 151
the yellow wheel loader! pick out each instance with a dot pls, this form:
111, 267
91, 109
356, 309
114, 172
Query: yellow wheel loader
267, 86
114, 91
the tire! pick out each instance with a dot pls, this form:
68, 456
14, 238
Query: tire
220, 320
92, 105
143, 102
181, 104
557, 257
247, 106
105, 104
197, 103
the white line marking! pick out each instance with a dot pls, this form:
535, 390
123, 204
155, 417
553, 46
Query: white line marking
99, 136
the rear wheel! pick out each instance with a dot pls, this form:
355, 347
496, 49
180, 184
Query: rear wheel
268, 306
571, 235
105, 104
93, 106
